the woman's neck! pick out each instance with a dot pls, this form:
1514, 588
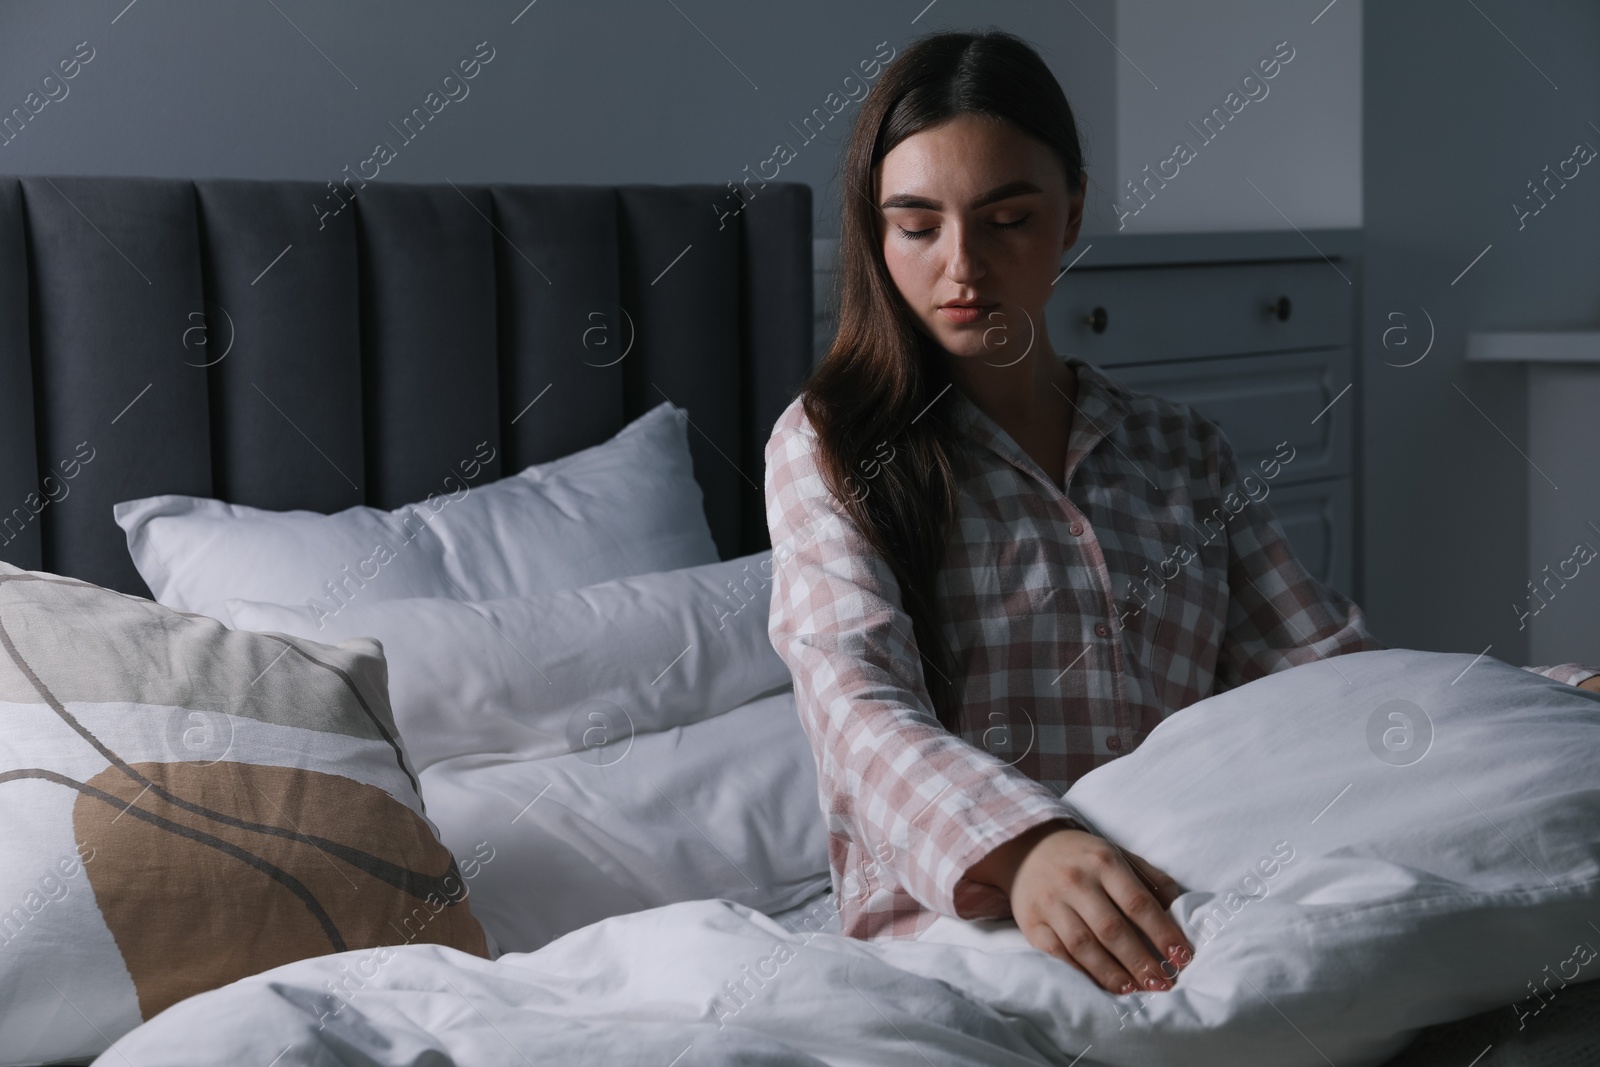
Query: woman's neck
1037, 389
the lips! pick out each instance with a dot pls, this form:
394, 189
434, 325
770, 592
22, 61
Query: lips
963, 313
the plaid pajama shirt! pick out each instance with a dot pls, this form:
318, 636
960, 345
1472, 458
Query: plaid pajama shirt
1079, 620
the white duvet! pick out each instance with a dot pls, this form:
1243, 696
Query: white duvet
1370, 844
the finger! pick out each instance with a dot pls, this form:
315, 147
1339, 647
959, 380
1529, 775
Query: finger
1162, 884
1151, 918
1117, 932
1168, 934
1041, 937
1085, 948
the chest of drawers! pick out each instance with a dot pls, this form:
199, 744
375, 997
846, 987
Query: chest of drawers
1255, 332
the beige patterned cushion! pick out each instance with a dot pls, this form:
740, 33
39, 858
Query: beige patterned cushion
182, 805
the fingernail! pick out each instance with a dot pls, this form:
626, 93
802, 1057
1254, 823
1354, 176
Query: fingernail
1127, 987
1155, 984
1178, 954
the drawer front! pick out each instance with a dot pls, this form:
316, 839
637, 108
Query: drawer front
1260, 401
1160, 313
1318, 521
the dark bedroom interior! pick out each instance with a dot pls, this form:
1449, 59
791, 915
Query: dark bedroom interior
678, 532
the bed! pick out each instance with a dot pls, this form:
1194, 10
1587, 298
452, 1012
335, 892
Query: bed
651, 886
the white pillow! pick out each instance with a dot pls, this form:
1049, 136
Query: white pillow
726, 807
539, 676
1371, 844
628, 506
625, 745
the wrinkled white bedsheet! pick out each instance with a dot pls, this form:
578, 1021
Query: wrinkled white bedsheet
1419, 890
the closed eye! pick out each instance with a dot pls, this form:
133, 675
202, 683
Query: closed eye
918, 235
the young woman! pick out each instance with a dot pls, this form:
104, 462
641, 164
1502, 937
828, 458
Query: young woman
996, 569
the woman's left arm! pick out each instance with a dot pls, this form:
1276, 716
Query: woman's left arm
1578, 674
1279, 615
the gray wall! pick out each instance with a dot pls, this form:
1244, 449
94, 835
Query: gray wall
666, 91
1293, 156
598, 91
1563, 526
1457, 121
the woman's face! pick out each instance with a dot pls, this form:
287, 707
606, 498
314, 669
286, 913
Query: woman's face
976, 212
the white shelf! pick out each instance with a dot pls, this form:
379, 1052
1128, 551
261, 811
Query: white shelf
1574, 346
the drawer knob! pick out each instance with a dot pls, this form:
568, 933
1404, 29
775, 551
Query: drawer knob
1097, 320
1281, 308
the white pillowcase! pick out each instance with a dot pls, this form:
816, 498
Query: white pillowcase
726, 807
627, 506
1370, 844
540, 676
620, 746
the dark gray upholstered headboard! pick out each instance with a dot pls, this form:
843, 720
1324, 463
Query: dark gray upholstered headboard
372, 349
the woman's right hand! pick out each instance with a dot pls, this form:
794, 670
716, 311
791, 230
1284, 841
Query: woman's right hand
1077, 897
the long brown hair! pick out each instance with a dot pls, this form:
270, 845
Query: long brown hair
878, 386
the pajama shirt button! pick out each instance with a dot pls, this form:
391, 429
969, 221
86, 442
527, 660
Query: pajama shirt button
1076, 529
1102, 630
1114, 743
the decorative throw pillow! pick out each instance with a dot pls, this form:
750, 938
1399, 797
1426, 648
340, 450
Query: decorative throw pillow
182, 805
627, 506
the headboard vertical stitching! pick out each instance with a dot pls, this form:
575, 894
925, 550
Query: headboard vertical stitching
153, 449
35, 362
209, 299
364, 302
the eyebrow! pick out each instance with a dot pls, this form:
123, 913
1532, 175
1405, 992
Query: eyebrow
1001, 192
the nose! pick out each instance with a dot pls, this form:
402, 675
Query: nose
964, 262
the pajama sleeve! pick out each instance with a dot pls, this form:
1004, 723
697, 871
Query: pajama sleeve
1570, 673
888, 773
1279, 614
